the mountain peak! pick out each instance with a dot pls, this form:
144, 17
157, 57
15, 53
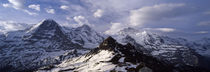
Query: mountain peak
84, 28
128, 30
110, 39
50, 20
47, 28
46, 24
108, 43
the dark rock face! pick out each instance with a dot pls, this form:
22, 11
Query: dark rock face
108, 44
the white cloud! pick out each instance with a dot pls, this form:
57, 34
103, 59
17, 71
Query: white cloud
17, 4
150, 13
207, 12
165, 29
6, 5
30, 13
115, 28
64, 7
202, 32
161, 29
68, 18
98, 13
35, 7
204, 23
81, 20
50, 10
6, 26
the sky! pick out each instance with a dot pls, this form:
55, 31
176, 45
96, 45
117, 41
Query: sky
176, 18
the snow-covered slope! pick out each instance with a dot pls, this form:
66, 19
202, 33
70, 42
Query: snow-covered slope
2, 38
201, 46
85, 36
169, 49
111, 56
43, 44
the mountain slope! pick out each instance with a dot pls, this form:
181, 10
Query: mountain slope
51, 34
162, 47
43, 44
202, 46
85, 36
111, 56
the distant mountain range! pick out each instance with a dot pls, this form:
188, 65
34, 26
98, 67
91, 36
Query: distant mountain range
43, 44
47, 46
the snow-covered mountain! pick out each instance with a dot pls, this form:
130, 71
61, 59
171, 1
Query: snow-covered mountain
111, 56
85, 36
201, 46
169, 49
2, 37
45, 43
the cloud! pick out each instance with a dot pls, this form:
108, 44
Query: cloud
6, 26
68, 18
207, 12
165, 29
204, 23
6, 5
30, 13
98, 13
17, 4
35, 7
115, 28
183, 16
81, 20
64, 7
50, 10
161, 29
141, 16
202, 32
